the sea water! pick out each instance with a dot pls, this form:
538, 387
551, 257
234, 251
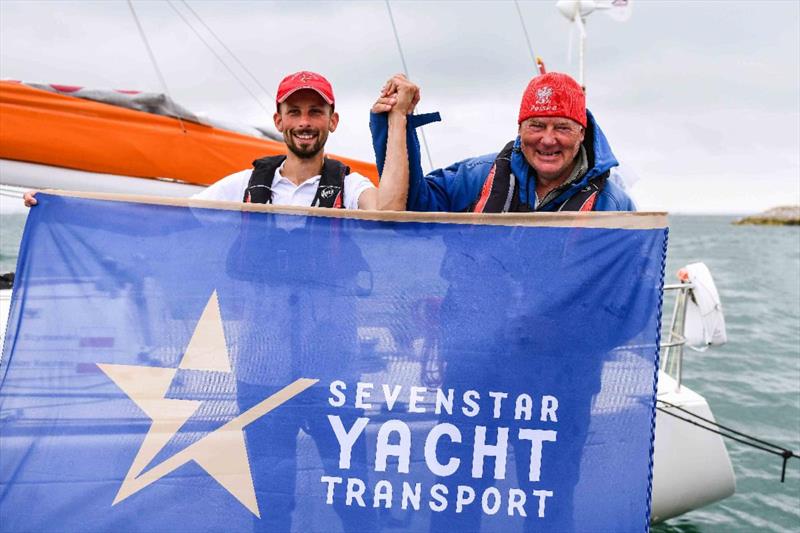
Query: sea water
752, 384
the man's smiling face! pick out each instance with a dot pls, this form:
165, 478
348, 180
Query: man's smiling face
550, 145
305, 120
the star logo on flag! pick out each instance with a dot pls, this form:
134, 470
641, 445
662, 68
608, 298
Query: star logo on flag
221, 453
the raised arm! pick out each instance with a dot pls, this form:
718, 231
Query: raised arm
398, 98
399, 158
424, 193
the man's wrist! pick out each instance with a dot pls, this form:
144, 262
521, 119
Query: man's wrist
396, 116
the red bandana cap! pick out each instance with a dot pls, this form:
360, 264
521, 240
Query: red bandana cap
304, 80
553, 95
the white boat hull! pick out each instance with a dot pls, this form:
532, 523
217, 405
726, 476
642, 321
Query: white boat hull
691, 466
35, 176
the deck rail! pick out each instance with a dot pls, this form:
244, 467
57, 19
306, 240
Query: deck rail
672, 347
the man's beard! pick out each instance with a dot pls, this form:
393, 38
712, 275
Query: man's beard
306, 151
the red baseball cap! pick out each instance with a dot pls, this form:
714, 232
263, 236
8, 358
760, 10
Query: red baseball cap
553, 95
305, 80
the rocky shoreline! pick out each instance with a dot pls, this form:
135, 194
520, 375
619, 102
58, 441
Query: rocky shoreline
787, 215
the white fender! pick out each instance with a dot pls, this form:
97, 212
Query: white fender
705, 322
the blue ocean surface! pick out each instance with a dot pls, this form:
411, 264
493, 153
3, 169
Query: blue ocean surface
752, 383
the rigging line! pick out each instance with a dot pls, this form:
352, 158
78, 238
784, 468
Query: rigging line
527, 37
726, 428
785, 454
221, 60
720, 432
223, 45
155, 64
405, 71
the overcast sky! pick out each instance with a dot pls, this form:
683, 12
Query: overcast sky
700, 100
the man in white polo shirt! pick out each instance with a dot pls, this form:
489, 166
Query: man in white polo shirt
311, 294
304, 177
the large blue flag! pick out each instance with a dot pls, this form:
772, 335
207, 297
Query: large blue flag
219, 367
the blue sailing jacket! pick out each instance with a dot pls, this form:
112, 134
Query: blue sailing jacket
456, 187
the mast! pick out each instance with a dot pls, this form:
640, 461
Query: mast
577, 10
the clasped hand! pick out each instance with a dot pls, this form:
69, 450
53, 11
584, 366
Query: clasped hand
398, 95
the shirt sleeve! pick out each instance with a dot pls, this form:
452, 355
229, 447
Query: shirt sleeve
354, 185
229, 189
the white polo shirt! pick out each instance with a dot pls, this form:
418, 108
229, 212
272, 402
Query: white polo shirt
284, 192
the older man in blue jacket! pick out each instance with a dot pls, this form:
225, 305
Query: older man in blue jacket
559, 161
